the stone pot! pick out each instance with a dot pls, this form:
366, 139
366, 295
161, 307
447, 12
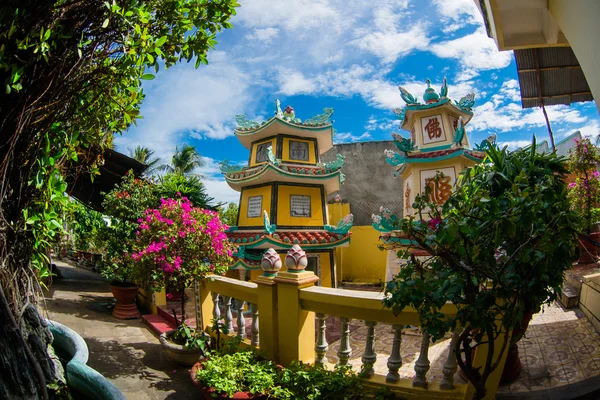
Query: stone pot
209, 393
179, 353
125, 307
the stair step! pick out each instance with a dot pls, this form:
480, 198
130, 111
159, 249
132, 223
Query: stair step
157, 323
569, 297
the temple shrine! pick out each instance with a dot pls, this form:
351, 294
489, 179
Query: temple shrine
438, 142
283, 193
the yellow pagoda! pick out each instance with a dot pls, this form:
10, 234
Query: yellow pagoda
438, 143
283, 192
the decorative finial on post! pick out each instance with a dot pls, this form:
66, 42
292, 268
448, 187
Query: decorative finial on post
296, 260
270, 263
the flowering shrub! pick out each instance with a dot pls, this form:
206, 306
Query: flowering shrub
178, 243
125, 204
584, 192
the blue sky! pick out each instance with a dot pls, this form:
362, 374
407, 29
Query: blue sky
347, 54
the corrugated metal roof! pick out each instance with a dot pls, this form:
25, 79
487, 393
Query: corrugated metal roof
562, 80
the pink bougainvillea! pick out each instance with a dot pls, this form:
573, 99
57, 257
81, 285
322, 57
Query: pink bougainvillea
178, 243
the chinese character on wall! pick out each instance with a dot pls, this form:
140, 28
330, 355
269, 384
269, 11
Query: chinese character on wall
433, 130
298, 150
261, 152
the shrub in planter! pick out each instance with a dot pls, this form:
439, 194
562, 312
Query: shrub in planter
499, 248
125, 204
178, 244
245, 374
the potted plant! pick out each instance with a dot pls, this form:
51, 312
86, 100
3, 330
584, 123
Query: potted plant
176, 245
584, 193
125, 204
231, 373
498, 250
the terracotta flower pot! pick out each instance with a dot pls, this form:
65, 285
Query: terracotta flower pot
125, 307
177, 352
209, 393
512, 367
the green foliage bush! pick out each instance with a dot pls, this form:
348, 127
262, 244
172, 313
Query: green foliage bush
500, 246
246, 371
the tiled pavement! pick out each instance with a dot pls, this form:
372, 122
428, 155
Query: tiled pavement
561, 347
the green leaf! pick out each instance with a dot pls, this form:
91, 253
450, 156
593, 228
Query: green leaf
160, 41
105, 23
147, 77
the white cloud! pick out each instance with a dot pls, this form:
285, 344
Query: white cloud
515, 144
475, 51
503, 113
348, 137
220, 191
188, 102
294, 82
383, 38
457, 14
264, 35
382, 124
590, 129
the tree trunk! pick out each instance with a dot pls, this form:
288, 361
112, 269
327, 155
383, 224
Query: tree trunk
27, 361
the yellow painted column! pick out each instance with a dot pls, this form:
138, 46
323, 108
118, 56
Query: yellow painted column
296, 326
267, 316
493, 380
151, 300
205, 305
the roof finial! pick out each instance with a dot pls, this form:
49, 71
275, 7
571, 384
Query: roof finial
278, 112
428, 81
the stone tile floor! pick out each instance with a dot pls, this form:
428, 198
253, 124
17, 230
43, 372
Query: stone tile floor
561, 347
124, 351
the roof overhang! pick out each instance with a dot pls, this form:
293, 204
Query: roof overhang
269, 173
276, 126
521, 24
116, 165
550, 76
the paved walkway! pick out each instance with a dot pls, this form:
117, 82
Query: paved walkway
124, 351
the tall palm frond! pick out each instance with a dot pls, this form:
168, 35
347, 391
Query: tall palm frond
144, 155
184, 161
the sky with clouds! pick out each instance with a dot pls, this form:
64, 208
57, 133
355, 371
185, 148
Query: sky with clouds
347, 54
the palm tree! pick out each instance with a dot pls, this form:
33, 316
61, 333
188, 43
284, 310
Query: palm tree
144, 155
184, 161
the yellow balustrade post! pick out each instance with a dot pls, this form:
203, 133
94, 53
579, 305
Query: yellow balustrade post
493, 380
205, 305
296, 326
267, 315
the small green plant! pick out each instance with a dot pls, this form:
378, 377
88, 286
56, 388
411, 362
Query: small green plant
191, 338
230, 370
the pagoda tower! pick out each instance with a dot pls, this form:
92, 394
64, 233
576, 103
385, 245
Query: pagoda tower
438, 143
283, 192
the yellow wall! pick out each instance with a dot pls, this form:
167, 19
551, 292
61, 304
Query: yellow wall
255, 147
285, 154
265, 191
255, 273
283, 206
362, 261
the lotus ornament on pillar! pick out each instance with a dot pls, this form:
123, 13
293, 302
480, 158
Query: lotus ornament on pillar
271, 263
296, 260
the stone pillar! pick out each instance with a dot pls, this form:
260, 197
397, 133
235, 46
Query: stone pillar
296, 326
578, 20
267, 304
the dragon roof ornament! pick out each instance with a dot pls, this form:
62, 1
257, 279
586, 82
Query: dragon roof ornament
226, 168
319, 119
335, 164
342, 227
